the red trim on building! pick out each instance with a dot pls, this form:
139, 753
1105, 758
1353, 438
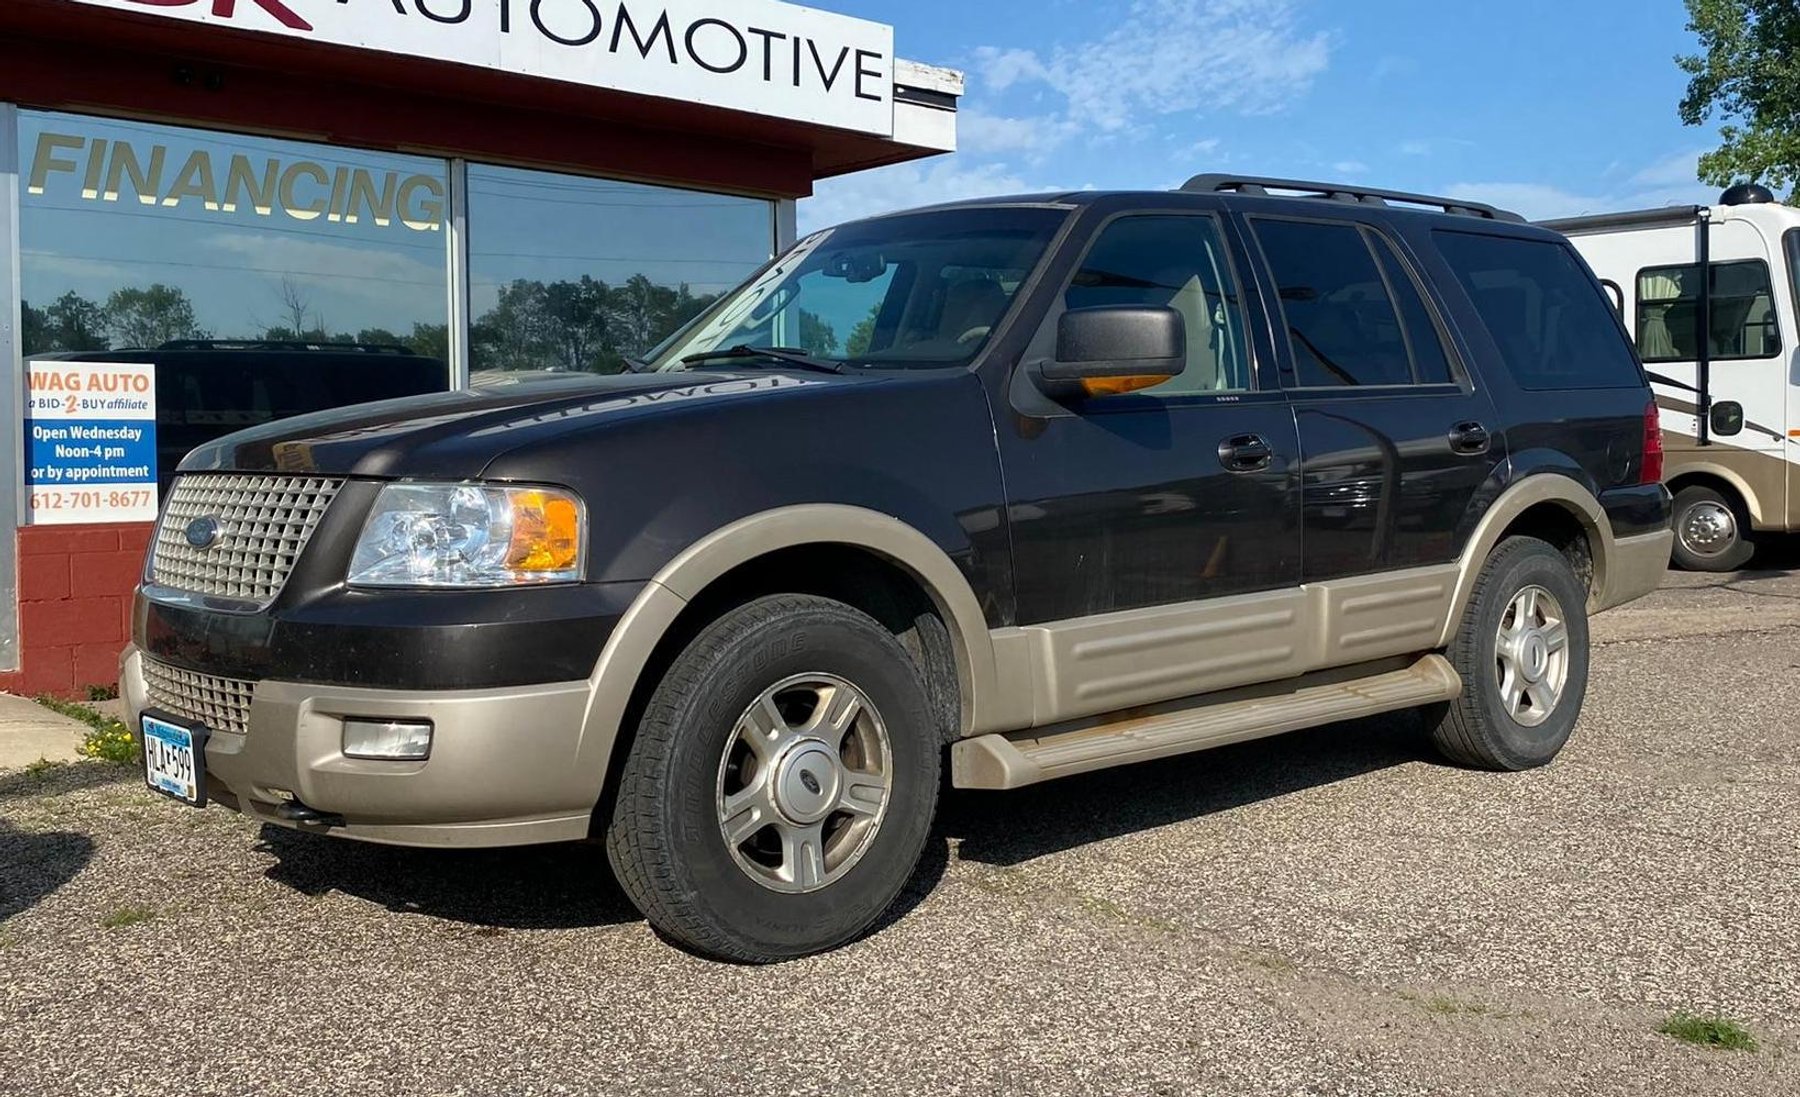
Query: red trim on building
75, 586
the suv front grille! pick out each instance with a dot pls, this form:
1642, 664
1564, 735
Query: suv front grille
222, 704
264, 523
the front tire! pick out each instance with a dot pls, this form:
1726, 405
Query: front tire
782, 783
1522, 652
1711, 531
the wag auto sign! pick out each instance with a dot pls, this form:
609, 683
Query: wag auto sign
760, 56
90, 442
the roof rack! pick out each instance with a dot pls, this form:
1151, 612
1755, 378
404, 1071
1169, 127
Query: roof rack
1342, 192
283, 344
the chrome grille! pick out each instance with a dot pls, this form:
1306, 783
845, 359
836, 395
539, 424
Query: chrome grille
264, 523
222, 704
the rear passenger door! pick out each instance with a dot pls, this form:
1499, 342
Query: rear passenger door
1396, 439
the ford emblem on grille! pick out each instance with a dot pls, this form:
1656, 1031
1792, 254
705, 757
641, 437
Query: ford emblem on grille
203, 532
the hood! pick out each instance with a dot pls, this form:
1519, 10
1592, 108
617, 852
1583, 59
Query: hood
456, 435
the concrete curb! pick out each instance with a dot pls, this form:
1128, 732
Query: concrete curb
29, 731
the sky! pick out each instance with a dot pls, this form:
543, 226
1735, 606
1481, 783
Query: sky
1548, 107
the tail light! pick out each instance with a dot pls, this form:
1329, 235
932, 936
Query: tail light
1653, 446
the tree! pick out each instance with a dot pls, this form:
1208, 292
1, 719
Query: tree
73, 322
147, 318
862, 336
32, 329
817, 336
1748, 73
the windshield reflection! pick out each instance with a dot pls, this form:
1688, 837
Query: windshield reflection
913, 291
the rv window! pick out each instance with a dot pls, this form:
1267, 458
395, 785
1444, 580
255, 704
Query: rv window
1548, 318
1743, 312
1793, 262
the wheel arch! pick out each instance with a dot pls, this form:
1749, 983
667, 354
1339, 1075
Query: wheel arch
1723, 480
1552, 507
662, 612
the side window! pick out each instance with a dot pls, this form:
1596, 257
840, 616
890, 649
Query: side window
1552, 324
1341, 322
1431, 362
1743, 312
1180, 262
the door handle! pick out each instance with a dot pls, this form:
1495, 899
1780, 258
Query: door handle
1246, 453
1470, 437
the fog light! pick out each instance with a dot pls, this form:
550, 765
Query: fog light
387, 740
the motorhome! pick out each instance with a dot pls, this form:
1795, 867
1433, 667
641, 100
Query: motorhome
1721, 351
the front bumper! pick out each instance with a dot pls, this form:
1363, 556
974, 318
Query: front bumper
506, 766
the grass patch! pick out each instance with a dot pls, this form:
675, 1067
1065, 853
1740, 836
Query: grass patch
10, 938
103, 693
1713, 1032
127, 916
107, 739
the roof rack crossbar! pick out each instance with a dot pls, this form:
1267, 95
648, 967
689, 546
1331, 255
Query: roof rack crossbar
1218, 183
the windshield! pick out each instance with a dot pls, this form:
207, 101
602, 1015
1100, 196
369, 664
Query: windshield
921, 290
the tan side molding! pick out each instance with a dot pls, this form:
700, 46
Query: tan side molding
1013, 761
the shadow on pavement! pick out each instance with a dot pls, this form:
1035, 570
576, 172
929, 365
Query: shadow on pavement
1012, 827
531, 887
571, 886
61, 777
33, 865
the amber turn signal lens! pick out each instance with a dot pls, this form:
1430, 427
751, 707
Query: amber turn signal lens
1118, 386
546, 532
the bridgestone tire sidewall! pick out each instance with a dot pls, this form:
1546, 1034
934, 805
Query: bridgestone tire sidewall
772, 922
1527, 747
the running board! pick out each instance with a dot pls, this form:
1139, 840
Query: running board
1022, 758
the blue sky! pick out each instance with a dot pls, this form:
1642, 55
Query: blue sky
1550, 108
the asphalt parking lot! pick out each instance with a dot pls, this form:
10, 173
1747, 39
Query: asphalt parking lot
1328, 913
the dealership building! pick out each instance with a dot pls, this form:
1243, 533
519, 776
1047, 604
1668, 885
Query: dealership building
447, 188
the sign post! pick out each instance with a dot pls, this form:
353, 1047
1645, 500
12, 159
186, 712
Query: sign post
90, 442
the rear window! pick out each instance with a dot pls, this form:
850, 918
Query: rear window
1550, 321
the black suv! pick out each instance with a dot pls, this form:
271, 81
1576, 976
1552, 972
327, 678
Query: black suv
1055, 482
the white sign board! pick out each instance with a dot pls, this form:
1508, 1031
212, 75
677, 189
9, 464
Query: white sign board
760, 56
90, 442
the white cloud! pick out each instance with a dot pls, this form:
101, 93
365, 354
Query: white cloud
980, 133
1415, 147
1679, 170
1350, 167
904, 185
1173, 56
1656, 185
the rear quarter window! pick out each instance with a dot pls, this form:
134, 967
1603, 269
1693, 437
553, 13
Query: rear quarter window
1553, 326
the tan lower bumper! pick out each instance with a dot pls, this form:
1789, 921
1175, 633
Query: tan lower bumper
503, 768
1636, 567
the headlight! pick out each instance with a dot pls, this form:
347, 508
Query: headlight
469, 535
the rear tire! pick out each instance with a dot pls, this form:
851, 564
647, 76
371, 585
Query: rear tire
1711, 531
1522, 652
782, 783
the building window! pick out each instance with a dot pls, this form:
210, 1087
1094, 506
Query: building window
1743, 312
133, 236
576, 274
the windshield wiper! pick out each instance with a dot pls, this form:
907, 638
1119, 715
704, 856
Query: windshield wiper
744, 353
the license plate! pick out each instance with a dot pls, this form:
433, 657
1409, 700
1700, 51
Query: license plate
174, 760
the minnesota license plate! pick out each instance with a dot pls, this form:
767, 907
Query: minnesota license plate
175, 760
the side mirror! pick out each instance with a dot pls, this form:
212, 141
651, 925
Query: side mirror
1115, 349
1727, 418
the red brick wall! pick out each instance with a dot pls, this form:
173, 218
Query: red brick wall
75, 587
